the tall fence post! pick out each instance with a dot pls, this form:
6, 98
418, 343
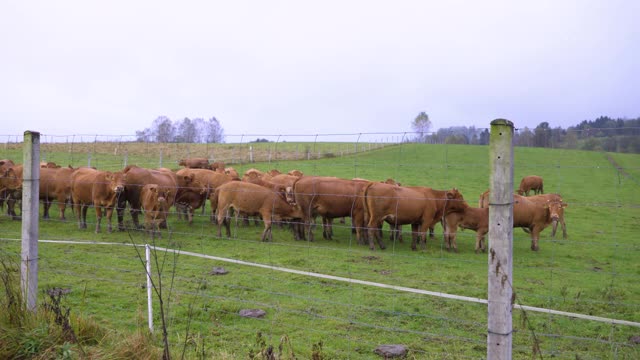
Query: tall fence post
30, 209
500, 279
147, 255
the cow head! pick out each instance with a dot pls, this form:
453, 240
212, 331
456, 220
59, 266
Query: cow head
10, 180
555, 209
455, 202
182, 162
116, 181
232, 173
289, 195
520, 192
163, 194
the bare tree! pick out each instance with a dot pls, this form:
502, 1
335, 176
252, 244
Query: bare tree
186, 131
421, 125
163, 129
215, 133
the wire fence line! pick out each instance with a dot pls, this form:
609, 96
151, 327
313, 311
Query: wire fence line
595, 250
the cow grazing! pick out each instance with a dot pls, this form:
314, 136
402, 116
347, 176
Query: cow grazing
155, 204
98, 188
328, 197
421, 207
529, 183
194, 163
55, 186
252, 199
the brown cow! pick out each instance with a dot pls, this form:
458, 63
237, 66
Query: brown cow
252, 199
329, 197
11, 187
209, 179
476, 219
98, 188
155, 203
217, 166
191, 196
50, 165
194, 163
296, 173
421, 207
5, 164
55, 185
536, 214
542, 199
231, 173
529, 183
137, 178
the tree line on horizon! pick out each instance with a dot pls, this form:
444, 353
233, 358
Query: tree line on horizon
601, 134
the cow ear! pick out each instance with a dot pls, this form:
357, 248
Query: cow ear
563, 204
109, 176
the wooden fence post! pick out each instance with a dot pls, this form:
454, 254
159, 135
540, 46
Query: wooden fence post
30, 211
500, 274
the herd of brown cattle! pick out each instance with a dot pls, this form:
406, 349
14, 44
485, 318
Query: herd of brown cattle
277, 197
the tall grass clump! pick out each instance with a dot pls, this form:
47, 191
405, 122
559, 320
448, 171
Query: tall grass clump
52, 332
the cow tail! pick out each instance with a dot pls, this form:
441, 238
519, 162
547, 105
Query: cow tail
213, 198
365, 205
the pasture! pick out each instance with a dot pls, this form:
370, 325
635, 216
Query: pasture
594, 272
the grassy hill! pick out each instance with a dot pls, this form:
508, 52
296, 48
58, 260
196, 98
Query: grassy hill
592, 272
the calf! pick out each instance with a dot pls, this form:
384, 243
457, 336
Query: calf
529, 183
476, 219
155, 204
98, 188
252, 199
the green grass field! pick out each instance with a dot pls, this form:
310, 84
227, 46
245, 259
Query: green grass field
593, 272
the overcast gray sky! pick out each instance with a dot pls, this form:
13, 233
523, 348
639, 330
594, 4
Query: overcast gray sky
321, 67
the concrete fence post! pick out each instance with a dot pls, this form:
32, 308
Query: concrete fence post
500, 274
30, 211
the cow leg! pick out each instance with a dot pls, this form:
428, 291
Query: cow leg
46, 204
327, 228
535, 236
109, 211
98, 218
564, 228
134, 216
62, 205
414, 237
373, 229
266, 233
